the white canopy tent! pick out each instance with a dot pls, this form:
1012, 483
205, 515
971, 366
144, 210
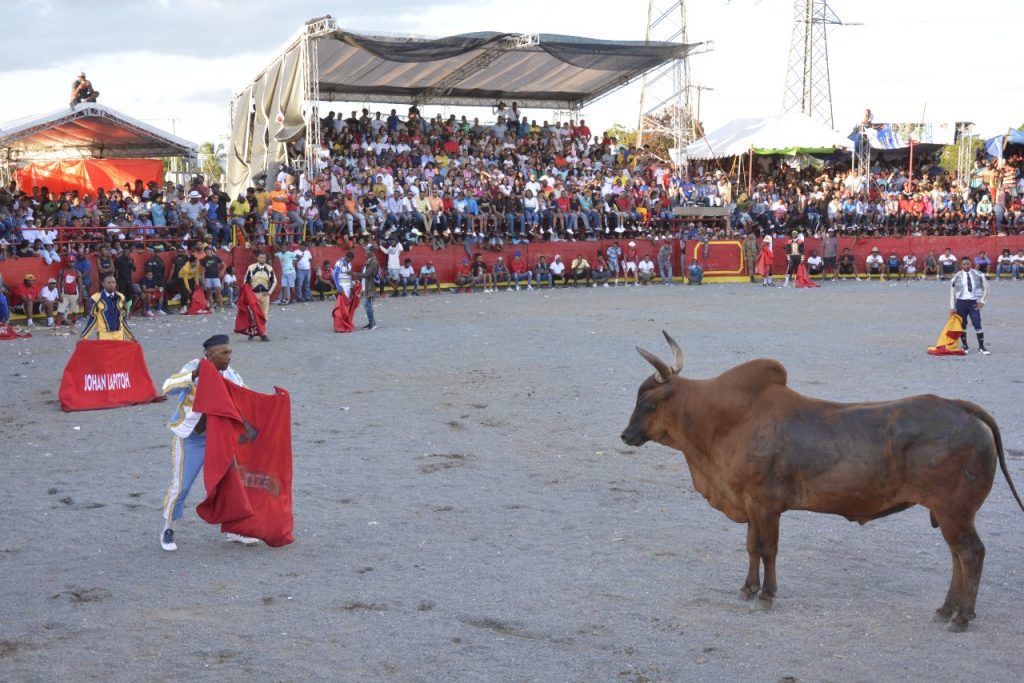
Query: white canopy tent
790, 133
325, 63
88, 131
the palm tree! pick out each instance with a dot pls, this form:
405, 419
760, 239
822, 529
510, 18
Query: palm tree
212, 161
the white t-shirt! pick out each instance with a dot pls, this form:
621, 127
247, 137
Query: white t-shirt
815, 262
874, 261
910, 263
304, 257
557, 267
394, 256
945, 260
406, 271
50, 294
646, 267
230, 280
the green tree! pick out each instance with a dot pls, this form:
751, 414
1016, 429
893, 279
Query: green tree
212, 160
951, 153
625, 136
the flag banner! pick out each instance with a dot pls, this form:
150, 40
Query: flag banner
345, 309
248, 465
106, 374
198, 305
8, 332
802, 280
250, 320
900, 135
948, 343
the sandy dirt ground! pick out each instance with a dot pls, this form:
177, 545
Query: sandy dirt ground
466, 510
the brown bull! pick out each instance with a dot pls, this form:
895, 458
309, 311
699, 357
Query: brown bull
756, 448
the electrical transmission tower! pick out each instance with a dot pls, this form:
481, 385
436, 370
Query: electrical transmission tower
808, 84
665, 94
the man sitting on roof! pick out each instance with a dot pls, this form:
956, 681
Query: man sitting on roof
82, 91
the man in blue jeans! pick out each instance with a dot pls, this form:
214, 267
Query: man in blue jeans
303, 271
188, 446
369, 276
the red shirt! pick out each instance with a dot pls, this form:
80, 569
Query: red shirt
69, 282
517, 266
22, 293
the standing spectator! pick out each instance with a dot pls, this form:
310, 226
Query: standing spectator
303, 272
261, 277
665, 263
830, 252
614, 257
213, 268
967, 297
749, 254
69, 281
108, 312
369, 277
287, 259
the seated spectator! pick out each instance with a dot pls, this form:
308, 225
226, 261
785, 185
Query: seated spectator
82, 91
428, 276
695, 273
931, 265
500, 274
152, 293
543, 272
407, 276
909, 267
324, 280
1005, 265
645, 270
50, 298
27, 298
49, 253
982, 263
893, 266
874, 263
601, 273
481, 275
947, 264
1018, 264
848, 264
519, 271
464, 279
815, 264
580, 268
558, 271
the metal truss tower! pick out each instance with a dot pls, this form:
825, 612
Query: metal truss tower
808, 84
965, 154
665, 93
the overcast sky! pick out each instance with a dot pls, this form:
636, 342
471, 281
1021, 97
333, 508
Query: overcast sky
175, 64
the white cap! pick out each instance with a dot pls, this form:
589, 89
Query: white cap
632, 244
194, 195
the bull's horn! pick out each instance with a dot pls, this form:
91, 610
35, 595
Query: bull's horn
662, 370
677, 365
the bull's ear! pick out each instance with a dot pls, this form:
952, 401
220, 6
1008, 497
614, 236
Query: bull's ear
661, 368
677, 352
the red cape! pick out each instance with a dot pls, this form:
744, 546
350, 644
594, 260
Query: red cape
345, 309
250, 320
198, 305
763, 264
802, 279
948, 343
248, 464
8, 332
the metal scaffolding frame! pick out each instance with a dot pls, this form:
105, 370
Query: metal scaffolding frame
808, 82
964, 154
669, 88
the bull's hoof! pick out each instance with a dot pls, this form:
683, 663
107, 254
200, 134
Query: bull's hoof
957, 624
748, 592
766, 597
944, 613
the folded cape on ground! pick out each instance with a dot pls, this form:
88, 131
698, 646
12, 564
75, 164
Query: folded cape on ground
802, 279
198, 305
948, 343
106, 374
8, 332
250, 320
248, 464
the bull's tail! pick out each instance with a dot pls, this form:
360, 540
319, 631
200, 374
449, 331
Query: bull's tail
990, 421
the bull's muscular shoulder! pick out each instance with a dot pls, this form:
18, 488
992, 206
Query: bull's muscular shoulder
754, 376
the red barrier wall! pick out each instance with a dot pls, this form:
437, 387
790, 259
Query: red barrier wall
724, 258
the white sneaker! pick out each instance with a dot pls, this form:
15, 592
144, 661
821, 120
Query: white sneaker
517, 288
238, 538
167, 540
593, 285
984, 352
606, 284
529, 288
30, 323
